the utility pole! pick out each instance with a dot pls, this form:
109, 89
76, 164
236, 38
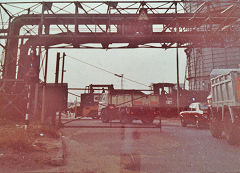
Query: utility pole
57, 67
63, 61
40, 28
178, 88
177, 56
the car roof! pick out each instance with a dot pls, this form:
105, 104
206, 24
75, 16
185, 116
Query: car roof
195, 103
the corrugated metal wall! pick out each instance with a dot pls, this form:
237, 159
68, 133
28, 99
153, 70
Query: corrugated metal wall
201, 61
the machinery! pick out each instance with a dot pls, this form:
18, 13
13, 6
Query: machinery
89, 101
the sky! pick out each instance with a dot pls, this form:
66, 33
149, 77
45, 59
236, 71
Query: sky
145, 66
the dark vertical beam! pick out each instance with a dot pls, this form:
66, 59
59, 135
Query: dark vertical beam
46, 65
63, 62
40, 27
46, 68
47, 29
57, 67
40, 32
177, 62
75, 18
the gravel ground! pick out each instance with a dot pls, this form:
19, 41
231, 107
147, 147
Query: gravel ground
174, 149
39, 157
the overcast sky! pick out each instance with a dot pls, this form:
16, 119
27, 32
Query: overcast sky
142, 65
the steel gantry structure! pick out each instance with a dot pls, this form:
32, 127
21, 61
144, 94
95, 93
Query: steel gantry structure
29, 28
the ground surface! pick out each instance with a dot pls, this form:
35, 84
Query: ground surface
132, 150
40, 156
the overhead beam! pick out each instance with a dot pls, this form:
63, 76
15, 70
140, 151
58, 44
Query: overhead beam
55, 19
129, 30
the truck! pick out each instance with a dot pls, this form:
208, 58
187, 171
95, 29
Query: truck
225, 104
128, 105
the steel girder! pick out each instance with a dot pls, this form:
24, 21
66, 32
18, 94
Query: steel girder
128, 30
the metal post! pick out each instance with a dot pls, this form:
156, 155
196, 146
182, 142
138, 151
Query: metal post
45, 76
178, 96
43, 104
40, 28
75, 108
57, 67
28, 107
75, 19
46, 66
35, 101
44, 90
159, 124
46, 60
63, 66
40, 31
36, 64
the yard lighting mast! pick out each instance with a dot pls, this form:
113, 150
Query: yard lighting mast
121, 76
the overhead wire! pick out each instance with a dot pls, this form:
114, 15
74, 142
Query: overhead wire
107, 71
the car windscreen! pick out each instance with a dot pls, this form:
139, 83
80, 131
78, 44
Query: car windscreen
203, 107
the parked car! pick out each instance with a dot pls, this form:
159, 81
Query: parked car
197, 114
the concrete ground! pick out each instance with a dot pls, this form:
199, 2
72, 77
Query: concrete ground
134, 150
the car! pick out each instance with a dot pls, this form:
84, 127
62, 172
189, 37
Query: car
197, 114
